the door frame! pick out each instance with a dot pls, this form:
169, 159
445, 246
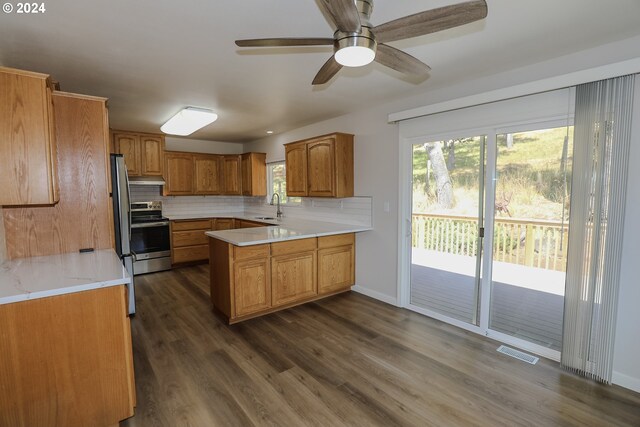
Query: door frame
405, 207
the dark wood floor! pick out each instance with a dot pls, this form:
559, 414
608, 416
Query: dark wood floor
346, 360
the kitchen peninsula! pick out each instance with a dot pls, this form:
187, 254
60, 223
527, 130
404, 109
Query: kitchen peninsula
259, 270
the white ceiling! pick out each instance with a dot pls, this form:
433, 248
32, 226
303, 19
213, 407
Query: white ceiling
151, 58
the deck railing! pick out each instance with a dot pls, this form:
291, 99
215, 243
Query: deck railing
535, 243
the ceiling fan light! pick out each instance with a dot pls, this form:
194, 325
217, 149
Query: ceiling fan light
355, 51
355, 56
188, 120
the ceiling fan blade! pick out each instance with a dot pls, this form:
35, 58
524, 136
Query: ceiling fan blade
284, 42
400, 61
431, 21
328, 70
345, 14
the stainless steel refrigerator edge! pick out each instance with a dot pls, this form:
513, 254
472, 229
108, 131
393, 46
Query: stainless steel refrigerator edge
122, 219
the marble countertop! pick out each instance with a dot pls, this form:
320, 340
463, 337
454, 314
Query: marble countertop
39, 277
286, 230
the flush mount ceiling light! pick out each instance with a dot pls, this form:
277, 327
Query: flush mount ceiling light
188, 120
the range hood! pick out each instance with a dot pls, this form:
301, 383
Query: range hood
146, 180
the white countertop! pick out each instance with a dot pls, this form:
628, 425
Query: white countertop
287, 230
39, 277
179, 217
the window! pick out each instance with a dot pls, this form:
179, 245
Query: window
277, 183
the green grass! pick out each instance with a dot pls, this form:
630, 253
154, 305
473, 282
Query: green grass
530, 175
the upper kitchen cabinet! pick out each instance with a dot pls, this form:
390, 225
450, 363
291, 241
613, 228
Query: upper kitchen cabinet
208, 173
321, 166
28, 157
143, 153
254, 174
179, 176
232, 175
295, 158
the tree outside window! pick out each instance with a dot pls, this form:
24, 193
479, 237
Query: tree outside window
277, 183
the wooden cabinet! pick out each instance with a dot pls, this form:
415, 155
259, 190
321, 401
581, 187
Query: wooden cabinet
249, 281
143, 153
336, 263
224, 224
254, 174
28, 156
293, 271
188, 242
83, 216
320, 167
179, 174
67, 360
152, 155
232, 175
208, 174
296, 166
243, 223
252, 286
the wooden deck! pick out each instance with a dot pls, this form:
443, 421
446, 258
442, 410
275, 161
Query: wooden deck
526, 303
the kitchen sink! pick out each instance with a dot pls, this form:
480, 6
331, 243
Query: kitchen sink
266, 218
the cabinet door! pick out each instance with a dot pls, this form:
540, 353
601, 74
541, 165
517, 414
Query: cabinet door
27, 141
179, 174
232, 175
128, 145
254, 174
252, 286
208, 174
293, 277
152, 155
321, 168
296, 165
336, 269
224, 223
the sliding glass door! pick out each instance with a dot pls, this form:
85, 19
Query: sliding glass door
530, 234
507, 192
447, 212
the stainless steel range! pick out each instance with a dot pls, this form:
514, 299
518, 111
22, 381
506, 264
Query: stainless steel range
150, 239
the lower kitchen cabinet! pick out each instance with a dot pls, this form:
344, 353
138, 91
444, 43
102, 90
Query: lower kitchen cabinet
67, 360
336, 263
252, 286
188, 241
249, 281
293, 271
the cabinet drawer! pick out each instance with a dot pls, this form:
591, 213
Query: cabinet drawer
336, 240
190, 253
203, 224
189, 238
249, 252
293, 246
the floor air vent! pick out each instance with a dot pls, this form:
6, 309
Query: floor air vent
518, 354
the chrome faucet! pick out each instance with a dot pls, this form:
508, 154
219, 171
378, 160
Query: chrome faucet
278, 211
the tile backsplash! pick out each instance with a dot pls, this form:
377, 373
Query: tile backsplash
353, 210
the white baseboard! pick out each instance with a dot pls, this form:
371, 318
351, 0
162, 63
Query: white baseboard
375, 295
626, 381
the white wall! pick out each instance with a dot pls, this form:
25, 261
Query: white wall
626, 363
377, 175
173, 143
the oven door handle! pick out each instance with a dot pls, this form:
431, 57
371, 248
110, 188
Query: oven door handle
151, 224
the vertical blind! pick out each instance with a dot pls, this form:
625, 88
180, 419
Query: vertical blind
602, 138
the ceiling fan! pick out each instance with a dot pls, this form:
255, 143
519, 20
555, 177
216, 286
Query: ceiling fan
356, 42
